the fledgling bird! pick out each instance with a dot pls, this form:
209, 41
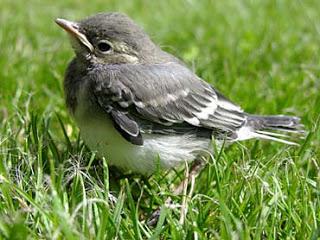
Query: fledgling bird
140, 106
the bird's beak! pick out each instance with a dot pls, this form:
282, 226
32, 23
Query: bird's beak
73, 29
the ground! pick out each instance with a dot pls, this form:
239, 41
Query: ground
263, 55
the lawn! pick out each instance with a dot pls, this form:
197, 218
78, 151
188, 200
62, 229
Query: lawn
263, 55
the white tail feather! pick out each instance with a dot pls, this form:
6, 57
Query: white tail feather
247, 132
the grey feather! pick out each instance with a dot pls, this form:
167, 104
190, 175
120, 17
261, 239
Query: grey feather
275, 122
164, 93
128, 128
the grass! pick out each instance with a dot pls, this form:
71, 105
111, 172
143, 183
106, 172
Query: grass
263, 54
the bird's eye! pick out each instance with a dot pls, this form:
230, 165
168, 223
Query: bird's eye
104, 47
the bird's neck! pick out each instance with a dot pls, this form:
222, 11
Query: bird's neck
73, 79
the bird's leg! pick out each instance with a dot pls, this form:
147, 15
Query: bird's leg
195, 169
190, 176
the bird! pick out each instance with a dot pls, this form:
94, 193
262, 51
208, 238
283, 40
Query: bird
142, 108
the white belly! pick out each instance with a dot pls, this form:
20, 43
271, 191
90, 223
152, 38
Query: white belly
165, 151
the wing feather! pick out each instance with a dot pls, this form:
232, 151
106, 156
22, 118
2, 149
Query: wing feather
166, 94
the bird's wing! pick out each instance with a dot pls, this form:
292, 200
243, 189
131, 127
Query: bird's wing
128, 128
166, 94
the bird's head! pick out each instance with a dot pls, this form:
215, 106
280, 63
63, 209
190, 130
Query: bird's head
109, 38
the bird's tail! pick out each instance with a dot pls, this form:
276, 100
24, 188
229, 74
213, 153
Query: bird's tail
277, 128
